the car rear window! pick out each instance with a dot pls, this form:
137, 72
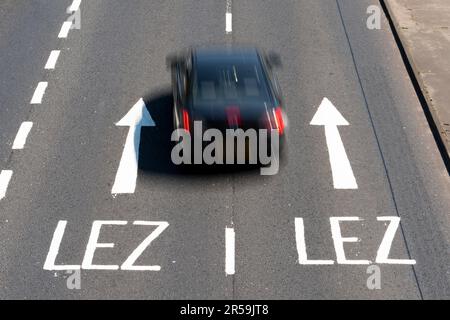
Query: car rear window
224, 83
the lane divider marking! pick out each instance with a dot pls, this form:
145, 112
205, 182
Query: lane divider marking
74, 6
228, 18
229, 251
52, 59
5, 177
65, 29
39, 92
22, 134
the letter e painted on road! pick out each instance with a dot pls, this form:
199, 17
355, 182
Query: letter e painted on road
339, 240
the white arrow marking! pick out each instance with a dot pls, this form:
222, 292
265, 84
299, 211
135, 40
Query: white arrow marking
126, 176
327, 115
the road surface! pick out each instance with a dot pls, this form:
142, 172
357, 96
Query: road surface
115, 55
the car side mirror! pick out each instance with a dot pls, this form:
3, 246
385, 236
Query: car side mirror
273, 59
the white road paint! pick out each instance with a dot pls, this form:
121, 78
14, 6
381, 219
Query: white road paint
136, 118
93, 245
22, 134
229, 251
39, 93
52, 58
228, 18
54, 250
301, 245
228, 22
5, 178
129, 263
386, 243
328, 116
65, 29
339, 240
74, 6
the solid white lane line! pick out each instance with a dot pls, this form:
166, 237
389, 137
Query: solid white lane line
74, 6
228, 18
65, 29
39, 93
52, 58
22, 134
5, 177
229, 251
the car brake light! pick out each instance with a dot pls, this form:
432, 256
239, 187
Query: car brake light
233, 116
279, 120
186, 124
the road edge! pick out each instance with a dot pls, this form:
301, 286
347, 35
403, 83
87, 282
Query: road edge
438, 131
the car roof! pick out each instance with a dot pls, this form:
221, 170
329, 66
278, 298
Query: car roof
226, 54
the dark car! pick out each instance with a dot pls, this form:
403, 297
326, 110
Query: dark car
226, 88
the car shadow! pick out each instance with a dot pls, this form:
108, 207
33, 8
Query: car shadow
156, 145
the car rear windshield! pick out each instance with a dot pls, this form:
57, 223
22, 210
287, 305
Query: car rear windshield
232, 82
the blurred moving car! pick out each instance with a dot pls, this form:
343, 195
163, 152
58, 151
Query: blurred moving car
226, 88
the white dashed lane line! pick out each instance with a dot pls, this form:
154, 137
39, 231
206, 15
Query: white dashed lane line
75, 6
39, 93
228, 18
65, 29
229, 251
22, 134
25, 127
52, 59
5, 177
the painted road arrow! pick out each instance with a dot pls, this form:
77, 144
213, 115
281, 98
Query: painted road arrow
126, 176
328, 116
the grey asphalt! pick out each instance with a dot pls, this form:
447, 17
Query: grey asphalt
423, 30
71, 157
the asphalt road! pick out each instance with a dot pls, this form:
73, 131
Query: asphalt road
71, 155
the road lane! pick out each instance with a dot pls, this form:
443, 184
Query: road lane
116, 58
417, 175
28, 32
310, 73
79, 151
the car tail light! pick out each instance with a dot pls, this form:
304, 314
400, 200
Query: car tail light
233, 116
279, 122
186, 123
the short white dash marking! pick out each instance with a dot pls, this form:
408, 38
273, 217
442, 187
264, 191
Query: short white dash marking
65, 29
229, 251
21, 137
74, 6
52, 58
228, 17
39, 93
228, 22
5, 177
